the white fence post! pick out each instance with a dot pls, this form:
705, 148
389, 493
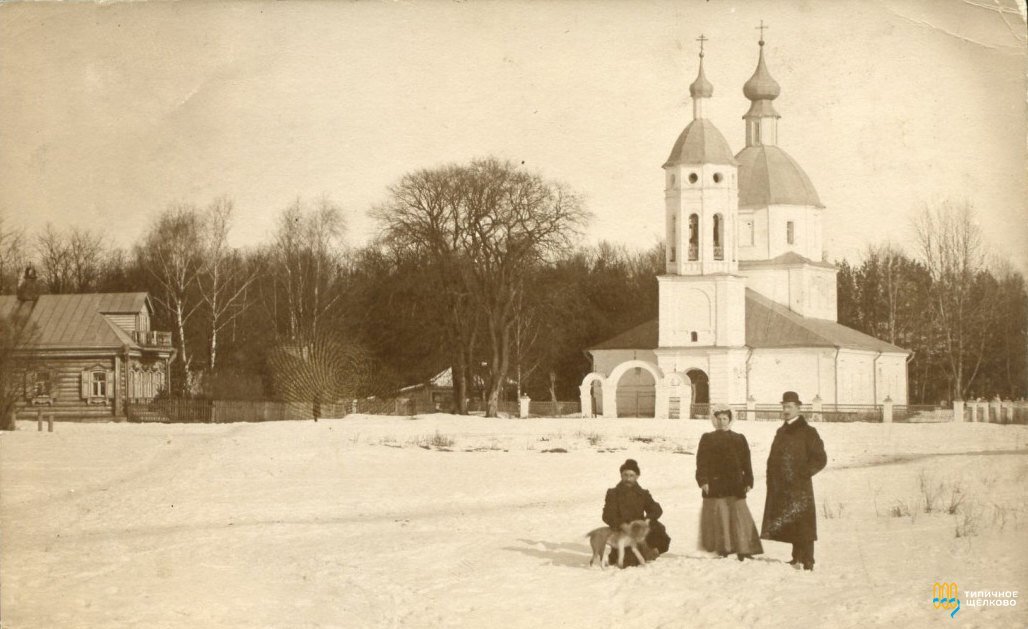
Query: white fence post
887, 410
525, 401
818, 407
958, 410
751, 407
994, 410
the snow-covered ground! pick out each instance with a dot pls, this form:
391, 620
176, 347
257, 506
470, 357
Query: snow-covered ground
442, 521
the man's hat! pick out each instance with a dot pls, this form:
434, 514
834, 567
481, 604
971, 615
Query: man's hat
630, 464
790, 396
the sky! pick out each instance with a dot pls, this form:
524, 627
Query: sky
111, 112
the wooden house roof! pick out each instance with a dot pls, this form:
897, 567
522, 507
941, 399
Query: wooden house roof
77, 321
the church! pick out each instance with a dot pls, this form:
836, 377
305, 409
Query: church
747, 305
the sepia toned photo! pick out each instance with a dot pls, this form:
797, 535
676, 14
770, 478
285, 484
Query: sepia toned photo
588, 313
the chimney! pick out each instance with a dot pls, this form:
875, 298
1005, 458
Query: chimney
28, 287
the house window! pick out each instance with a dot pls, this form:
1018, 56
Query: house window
41, 384
790, 233
98, 384
695, 337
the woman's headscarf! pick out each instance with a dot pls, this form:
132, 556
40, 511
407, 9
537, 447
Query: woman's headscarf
718, 409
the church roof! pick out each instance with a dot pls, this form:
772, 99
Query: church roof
769, 176
700, 143
76, 320
768, 324
789, 258
642, 336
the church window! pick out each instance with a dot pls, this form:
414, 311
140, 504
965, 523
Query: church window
717, 177
695, 337
672, 253
746, 237
693, 178
719, 250
694, 237
790, 233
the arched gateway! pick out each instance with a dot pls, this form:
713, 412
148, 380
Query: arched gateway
673, 391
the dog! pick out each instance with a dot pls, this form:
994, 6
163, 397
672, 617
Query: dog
630, 535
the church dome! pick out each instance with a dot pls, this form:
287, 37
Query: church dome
761, 86
769, 176
701, 87
700, 143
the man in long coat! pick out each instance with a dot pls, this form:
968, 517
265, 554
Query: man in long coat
790, 514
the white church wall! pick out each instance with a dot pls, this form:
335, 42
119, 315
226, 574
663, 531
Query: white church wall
856, 377
803, 370
892, 378
819, 287
806, 239
679, 361
605, 360
806, 290
750, 224
770, 282
686, 307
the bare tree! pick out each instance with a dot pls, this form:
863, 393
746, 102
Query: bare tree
12, 256
516, 219
482, 226
54, 260
950, 246
85, 253
423, 218
225, 276
171, 254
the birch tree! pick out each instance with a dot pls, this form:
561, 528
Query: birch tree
224, 278
171, 253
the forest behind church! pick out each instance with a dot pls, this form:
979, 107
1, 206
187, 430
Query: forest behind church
386, 314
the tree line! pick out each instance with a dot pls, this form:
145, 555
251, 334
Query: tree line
479, 268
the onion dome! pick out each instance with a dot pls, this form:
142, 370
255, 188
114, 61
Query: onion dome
761, 89
701, 87
761, 86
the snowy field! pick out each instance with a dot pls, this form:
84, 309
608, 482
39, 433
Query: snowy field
442, 521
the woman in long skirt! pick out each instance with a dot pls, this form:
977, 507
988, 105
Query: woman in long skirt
724, 473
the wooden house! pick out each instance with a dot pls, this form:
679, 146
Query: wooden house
87, 355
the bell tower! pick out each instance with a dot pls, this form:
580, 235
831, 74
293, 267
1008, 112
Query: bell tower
702, 297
